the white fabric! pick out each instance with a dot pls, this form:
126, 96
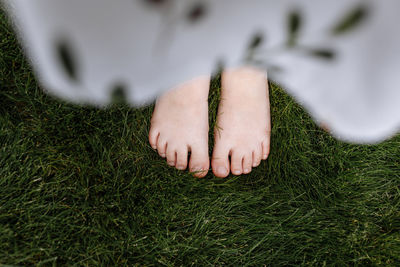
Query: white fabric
149, 46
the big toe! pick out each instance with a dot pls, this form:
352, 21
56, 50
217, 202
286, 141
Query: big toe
220, 162
199, 161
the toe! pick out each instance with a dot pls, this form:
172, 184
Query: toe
236, 162
265, 148
220, 162
171, 155
247, 163
153, 136
181, 158
199, 161
257, 155
161, 147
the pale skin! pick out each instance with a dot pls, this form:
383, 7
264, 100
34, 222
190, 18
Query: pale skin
242, 137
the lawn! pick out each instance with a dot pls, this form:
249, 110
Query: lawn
82, 186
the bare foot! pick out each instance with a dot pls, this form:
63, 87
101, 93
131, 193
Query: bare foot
180, 125
243, 122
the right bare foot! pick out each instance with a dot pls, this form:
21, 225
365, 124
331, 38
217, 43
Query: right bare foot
179, 125
244, 123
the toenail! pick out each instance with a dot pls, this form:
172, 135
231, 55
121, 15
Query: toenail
196, 169
162, 155
222, 170
180, 167
154, 147
171, 163
246, 170
237, 172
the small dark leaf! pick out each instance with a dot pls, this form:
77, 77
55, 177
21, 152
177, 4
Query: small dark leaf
67, 60
118, 95
295, 22
323, 54
197, 12
256, 41
155, 2
351, 20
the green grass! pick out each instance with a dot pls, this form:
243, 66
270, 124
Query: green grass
79, 185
